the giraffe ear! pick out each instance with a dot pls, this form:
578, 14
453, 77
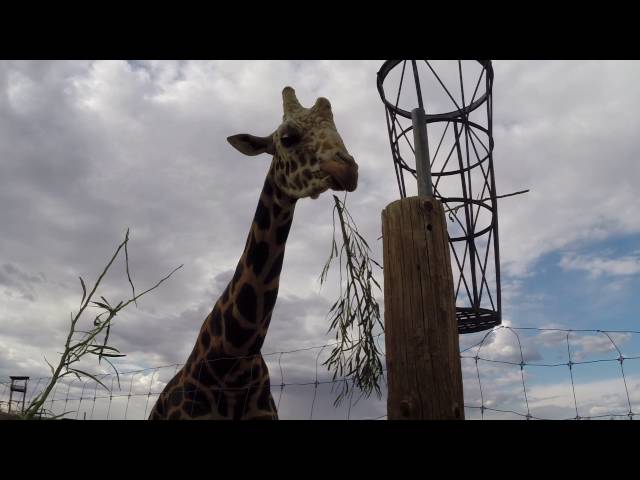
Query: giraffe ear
252, 145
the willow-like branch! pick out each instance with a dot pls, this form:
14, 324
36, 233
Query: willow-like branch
356, 313
88, 344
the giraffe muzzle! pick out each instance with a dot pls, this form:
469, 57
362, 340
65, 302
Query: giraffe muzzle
343, 172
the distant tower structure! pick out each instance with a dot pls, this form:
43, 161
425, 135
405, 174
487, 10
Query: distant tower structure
19, 385
440, 112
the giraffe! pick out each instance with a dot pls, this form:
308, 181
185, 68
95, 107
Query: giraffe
225, 376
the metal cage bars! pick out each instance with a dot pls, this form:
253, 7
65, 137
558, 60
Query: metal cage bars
465, 185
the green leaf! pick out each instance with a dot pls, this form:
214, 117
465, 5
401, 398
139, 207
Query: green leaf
96, 321
107, 347
84, 290
102, 305
76, 371
106, 337
115, 370
102, 354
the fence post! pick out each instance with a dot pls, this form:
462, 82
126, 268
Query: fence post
421, 332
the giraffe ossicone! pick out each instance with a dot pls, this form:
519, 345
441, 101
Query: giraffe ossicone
225, 376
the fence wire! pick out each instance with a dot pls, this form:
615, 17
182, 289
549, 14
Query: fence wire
499, 373
620, 405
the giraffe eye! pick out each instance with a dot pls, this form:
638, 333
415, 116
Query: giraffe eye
289, 139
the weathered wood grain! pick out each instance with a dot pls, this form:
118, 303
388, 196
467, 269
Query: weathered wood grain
422, 348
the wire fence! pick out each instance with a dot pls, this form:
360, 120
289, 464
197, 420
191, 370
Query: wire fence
508, 373
301, 388
573, 384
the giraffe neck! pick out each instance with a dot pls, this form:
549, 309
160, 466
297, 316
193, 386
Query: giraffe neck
238, 324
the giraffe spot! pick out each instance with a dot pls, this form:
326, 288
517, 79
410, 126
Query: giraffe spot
257, 368
294, 164
240, 380
221, 402
175, 380
283, 232
307, 174
223, 367
225, 295
262, 217
234, 333
236, 275
266, 321
258, 256
264, 399
205, 339
270, 298
204, 375
175, 415
191, 390
175, 397
276, 210
254, 349
246, 302
197, 368
298, 181
158, 411
268, 188
216, 322
196, 409
275, 268
240, 408
196, 403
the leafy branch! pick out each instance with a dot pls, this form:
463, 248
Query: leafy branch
90, 343
356, 312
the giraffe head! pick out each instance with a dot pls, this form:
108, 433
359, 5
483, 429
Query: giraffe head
309, 156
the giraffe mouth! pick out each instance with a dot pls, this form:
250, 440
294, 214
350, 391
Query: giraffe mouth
335, 184
341, 175
330, 182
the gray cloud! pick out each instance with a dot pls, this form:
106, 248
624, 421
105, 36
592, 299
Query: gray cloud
17, 282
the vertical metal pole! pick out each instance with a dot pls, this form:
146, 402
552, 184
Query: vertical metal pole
10, 394
421, 145
24, 394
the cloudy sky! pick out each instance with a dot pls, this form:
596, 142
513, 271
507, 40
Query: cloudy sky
91, 148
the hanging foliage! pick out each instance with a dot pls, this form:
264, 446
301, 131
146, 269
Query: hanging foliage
355, 315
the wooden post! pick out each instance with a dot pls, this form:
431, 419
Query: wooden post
421, 332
